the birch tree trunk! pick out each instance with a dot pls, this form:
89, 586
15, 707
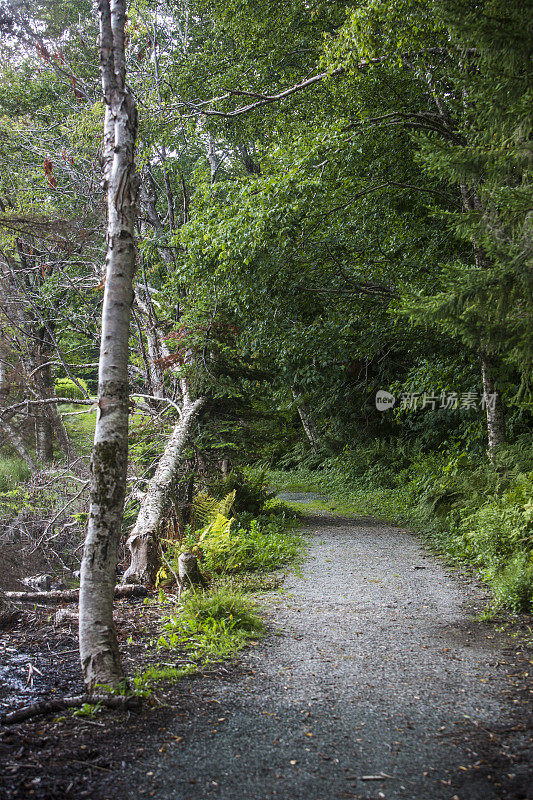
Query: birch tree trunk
307, 420
493, 406
99, 654
143, 541
44, 446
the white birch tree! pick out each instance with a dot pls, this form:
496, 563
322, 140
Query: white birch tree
99, 652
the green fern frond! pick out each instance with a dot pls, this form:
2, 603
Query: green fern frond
206, 509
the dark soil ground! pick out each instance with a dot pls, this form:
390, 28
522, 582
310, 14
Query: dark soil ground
375, 681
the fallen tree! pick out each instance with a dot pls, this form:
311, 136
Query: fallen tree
71, 595
143, 541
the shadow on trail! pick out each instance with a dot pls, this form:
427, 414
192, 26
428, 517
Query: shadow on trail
374, 681
380, 685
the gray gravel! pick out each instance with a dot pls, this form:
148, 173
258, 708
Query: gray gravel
300, 497
375, 666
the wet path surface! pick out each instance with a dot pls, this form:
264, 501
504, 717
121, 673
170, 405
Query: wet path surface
375, 683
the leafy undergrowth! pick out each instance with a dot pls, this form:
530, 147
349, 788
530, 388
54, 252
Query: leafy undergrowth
205, 628
471, 510
241, 557
227, 545
212, 625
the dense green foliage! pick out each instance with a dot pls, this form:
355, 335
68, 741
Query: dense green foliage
212, 625
235, 544
473, 512
371, 230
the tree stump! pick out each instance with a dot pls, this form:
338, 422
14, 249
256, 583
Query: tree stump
8, 611
189, 574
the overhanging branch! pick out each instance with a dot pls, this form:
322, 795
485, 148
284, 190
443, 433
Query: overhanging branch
264, 99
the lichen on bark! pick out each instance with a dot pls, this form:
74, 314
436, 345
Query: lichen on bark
99, 653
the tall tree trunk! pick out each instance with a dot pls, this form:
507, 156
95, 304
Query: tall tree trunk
48, 422
493, 406
143, 541
155, 372
44, 446
99, 654
493, 403
307, 420
17, 442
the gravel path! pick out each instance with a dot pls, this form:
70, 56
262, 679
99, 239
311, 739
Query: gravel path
378, 684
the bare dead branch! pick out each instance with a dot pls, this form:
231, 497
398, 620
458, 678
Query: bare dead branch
77, 701
71, 595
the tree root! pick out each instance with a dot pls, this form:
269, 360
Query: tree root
77, 701
71, 595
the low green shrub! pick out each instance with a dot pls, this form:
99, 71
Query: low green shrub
212, 626
500, 527
251, 491
513, 585
65, 387
302, 456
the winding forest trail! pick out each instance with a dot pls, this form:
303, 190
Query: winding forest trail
379, 669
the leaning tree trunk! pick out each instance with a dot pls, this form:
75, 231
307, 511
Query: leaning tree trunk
143, 541
100, 658
307, 420
493, 406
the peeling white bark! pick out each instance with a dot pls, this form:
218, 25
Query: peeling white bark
493, 405
143, 541
307, 420
99, 653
